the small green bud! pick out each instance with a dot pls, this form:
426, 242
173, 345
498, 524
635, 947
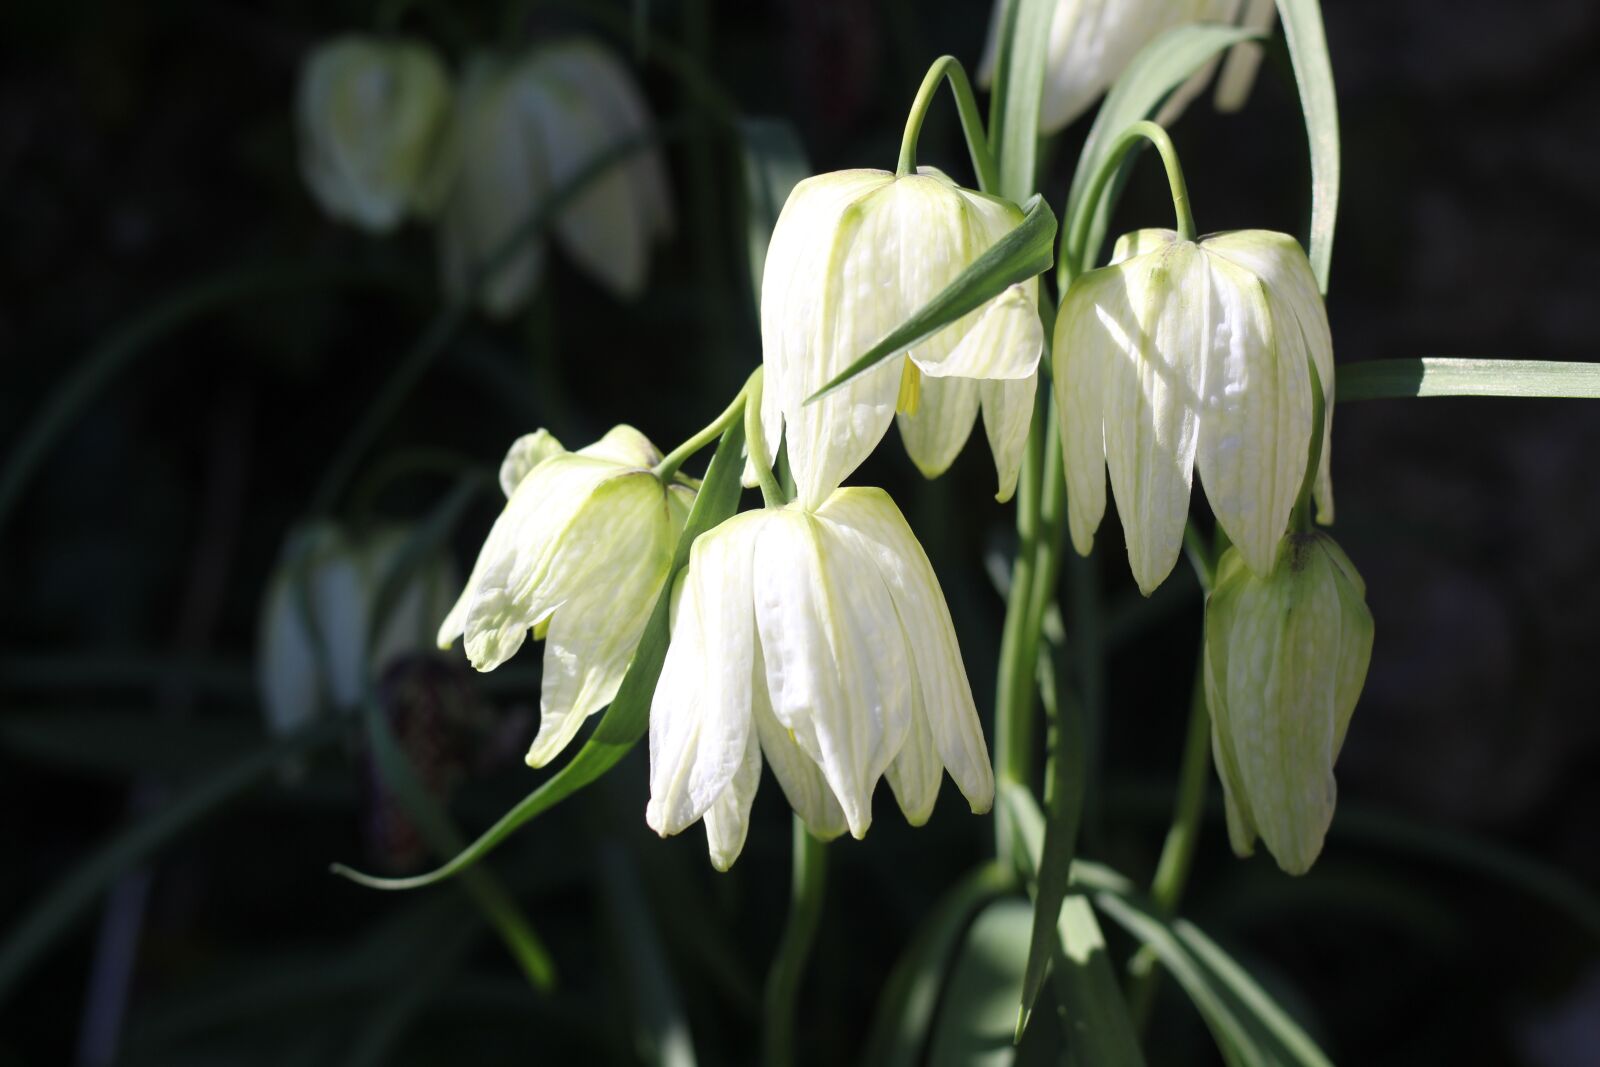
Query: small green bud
1285, 659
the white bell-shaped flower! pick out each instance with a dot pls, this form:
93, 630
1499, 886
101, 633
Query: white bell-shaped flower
525, 129
853, 255
1183, 354
1093, 41
1286, 656
373, 118
579, 556
316, 620
822, 640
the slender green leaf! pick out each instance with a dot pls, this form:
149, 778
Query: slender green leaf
1313, 74
1285, 1030
1383, 379
60, 905
1160, 67
904, 1015
1024, 34
1019, 255
774, 163
979, 1005
661, 1029
626, 720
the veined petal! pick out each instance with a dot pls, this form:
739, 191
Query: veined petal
728, 818
935, 434
1141, 242
837, 671
625, 445
1008, 408
1255, 419
883, 537
1096, 319
917, 771
798, 775
526, 453
700, 717
1151, 395
608, 572
1005, 342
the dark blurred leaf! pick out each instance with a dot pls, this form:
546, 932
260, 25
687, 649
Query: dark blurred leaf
661, 1031
122, 743
774, 163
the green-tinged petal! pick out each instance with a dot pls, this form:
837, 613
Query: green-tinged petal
798, 775
837, 671
941, 424
1255, 414
526, 453
728, 818
626, 446
700, 716
1005, 342
916, 772
1007, 417
1150, 401
1355, 639
1141, 242
1095, 316
882, 535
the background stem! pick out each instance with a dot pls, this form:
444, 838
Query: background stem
808, 883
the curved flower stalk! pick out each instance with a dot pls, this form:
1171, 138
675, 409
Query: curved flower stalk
855, 253
1286, 656
525, 128
373, 118
578, 556
316, 618
822, 640
1093, 41
1183, 354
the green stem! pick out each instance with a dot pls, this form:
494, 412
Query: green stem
678, 456
971, 122
1177, 852
755, 443
1015, 681
788, 966
1076, 257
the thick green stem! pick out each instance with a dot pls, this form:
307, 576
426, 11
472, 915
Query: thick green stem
1075, 257
1011, 727
808, 883
678, 456
971, 122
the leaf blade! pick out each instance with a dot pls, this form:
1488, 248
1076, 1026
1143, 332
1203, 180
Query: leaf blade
1313, 74
1388, 379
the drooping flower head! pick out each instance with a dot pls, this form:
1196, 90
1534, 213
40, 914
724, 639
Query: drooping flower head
822, 640
853, 255
1184, 354
1286, 656
578, 556
526, 128
317, 649
373, 118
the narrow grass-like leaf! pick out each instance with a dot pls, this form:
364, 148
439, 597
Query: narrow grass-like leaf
1021, 254
1385, 379
64, 902
661, 1030
975, 1014
1024, 35
1272, 1018
626, 720
1159, 68
904, 1016
774, 163
1313, 74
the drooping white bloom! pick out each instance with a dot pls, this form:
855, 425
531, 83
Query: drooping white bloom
853, 255
1184, 354
1285, 658
525, 129
1093, 41
822, 640
373, 118
316, 620
578, 556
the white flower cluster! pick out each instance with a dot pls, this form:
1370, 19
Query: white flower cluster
385, 135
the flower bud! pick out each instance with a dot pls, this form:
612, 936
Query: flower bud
853, 255
579, 556
316, 620
373, 117
1185, 354
1285, 659
526, 128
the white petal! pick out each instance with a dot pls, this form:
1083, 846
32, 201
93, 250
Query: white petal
836, 662
1006, 341
700, 717
626, 446
286, 661
1255, 415
917, 771
1094, 319
935, 434
526, 453
1008, 409
881, 533
798, 775
728, 817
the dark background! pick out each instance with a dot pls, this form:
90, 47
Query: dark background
146, 149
